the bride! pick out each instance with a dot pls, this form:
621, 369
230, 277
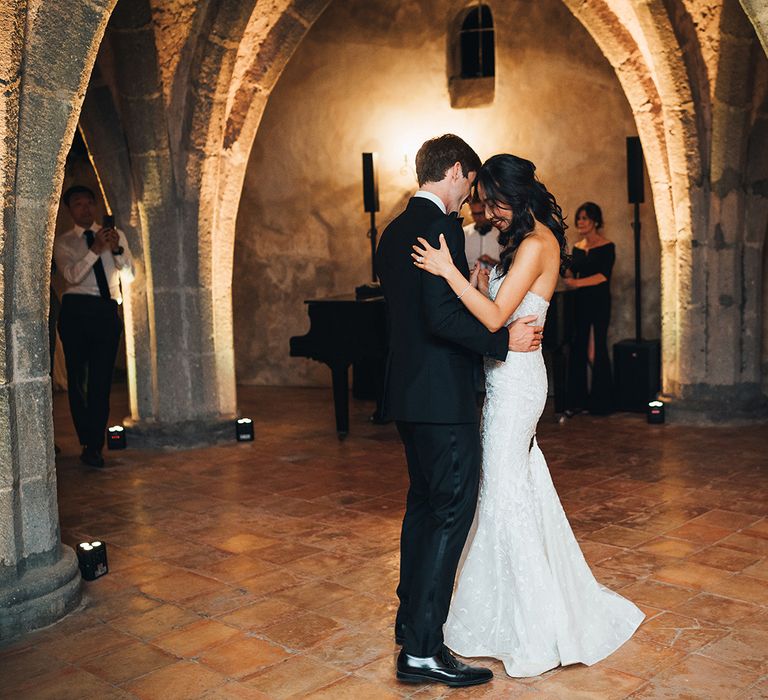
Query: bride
525, 594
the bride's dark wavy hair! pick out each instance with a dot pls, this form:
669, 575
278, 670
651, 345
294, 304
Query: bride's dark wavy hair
511, 182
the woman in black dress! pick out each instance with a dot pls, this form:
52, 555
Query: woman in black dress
590, 276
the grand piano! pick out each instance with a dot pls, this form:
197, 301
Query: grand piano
347, 331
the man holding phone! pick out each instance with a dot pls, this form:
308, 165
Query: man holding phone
481, 238
93, 260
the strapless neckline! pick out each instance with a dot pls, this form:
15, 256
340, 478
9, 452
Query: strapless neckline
538, 296
532, 304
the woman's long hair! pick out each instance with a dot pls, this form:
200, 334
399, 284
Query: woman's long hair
511, 182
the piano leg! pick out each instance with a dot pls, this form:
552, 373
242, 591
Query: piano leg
341, 399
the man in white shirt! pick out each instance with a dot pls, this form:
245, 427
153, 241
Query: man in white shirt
93, 261
481, 239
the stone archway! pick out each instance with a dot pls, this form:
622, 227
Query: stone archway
659, 53
234, 110
653, 77
694, 119
179, 196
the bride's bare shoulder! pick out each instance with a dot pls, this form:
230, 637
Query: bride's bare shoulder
543, 238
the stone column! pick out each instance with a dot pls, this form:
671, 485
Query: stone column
185, 408
719, 377
39, 577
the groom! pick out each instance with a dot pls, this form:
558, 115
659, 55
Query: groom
430, 393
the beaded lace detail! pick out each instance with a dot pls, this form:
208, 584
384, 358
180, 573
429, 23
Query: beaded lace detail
524, 594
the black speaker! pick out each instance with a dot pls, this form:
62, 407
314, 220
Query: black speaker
635, 170
637, 373
370, 182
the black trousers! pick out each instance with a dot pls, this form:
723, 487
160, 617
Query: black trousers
593, 312
90, 329
444, 470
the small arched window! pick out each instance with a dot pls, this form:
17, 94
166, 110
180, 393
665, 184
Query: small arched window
472, 57
476, 43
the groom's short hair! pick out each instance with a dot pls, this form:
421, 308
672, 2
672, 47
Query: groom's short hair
439, 154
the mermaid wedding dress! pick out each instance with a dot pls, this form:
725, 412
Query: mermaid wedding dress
525, 595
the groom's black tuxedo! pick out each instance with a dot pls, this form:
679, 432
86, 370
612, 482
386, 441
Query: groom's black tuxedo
434, 343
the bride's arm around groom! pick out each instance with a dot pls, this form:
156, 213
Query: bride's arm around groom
447, 317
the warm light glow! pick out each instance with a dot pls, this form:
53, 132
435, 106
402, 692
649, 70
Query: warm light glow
399, 135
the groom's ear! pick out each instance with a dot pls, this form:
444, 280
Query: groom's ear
456, 172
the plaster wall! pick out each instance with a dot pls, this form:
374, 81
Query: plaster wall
371, 76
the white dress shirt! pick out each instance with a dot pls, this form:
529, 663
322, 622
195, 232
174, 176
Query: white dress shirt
476, 245
432, 198
75, 260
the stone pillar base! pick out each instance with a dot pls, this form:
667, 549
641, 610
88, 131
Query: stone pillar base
40, 596
181, 435
741, 404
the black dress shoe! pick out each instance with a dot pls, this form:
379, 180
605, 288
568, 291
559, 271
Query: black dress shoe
91, 457
441, 668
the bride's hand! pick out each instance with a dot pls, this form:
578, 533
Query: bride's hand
483, 280
437, 261
474, 275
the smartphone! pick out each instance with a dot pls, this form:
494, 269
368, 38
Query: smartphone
109, 222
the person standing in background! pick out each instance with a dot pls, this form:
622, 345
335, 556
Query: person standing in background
93, 260
481, 239
590, 276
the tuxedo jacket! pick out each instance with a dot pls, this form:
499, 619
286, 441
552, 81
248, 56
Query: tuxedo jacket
434, 342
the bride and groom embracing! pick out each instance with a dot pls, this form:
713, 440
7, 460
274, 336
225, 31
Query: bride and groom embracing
524, 594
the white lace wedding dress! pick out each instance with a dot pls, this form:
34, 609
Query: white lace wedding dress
525, 594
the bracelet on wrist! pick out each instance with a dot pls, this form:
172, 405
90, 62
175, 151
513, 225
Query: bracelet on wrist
469, 284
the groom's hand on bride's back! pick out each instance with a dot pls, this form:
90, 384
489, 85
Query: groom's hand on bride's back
522, 337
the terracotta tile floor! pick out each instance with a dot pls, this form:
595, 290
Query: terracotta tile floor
267, 570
